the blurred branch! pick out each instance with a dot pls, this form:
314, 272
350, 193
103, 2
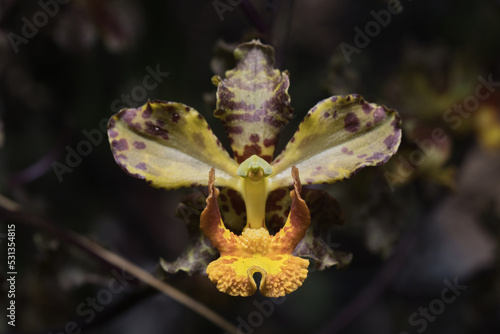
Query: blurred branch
12, 211
9, 205
37, 169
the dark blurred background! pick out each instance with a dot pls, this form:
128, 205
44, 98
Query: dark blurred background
424, 229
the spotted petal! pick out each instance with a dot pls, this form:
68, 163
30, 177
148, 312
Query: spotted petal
338, 136
170, 145
253, 102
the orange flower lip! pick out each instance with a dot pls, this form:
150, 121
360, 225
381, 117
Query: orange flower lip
257, 251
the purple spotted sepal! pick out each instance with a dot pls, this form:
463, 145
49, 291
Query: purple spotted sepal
338, 137
253, 102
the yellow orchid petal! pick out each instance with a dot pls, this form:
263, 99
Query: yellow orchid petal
255, 251
170, 145
338, 136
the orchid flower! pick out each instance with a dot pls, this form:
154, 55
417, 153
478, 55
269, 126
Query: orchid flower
170, 145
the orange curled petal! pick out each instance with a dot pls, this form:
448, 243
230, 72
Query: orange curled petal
298, 220
255, 251
211, 222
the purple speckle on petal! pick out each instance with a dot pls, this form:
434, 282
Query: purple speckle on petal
141, 165
346, 151
156, 131
367, 108
175, 117
254, 138
129, 116
377, 156
147, 111
351, 123
120, 145
391, 141
139, 145
378, 115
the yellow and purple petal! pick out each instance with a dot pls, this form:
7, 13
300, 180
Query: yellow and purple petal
170, 145
338, 136
253, 102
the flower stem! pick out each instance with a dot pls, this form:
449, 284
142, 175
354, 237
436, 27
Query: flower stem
255, 196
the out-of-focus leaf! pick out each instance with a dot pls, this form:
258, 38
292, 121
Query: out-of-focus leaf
339, 136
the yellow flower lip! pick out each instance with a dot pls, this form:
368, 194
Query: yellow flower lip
256, 251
